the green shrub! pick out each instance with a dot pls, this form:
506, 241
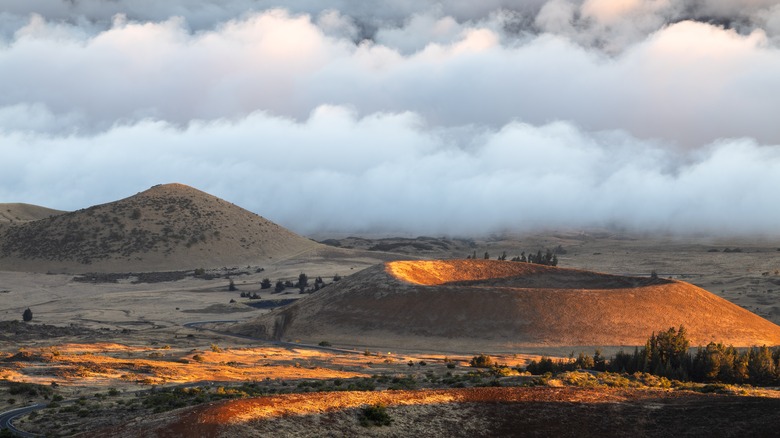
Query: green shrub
481, 361
374, 415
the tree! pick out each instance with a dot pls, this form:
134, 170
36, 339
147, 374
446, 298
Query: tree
481, 361
599, 361
760, 365
303, 281
279, 286
487, 255
668, 353
584, 362
265, 284
232, 286
27, 315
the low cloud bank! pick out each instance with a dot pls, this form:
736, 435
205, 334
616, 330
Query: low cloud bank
689, 83
336, 171
421, 117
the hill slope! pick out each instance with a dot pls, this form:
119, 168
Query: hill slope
167, 227
484, 305
19, 212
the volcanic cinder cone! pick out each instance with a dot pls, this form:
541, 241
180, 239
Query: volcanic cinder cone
484, 305
168, 227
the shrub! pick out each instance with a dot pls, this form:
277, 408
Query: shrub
27, 315
374, 415
481, 361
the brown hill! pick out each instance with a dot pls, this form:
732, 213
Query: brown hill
19, 212
167, 227
484, 305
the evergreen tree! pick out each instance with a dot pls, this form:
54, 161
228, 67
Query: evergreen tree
599, 361
760, 365
303, 281
27, 315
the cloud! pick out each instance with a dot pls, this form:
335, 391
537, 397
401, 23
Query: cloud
690, 83
410, 116
336, 171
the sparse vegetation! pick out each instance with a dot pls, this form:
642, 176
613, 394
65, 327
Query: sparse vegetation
481, 361
374, 415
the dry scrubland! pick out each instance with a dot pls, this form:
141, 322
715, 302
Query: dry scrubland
113, 356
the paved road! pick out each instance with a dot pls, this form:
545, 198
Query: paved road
7, 418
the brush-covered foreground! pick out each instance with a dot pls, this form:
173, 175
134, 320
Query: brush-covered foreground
121, 390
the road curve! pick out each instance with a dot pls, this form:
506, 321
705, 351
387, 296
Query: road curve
7, 418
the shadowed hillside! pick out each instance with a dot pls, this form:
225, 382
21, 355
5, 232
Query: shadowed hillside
487, 305
167, 227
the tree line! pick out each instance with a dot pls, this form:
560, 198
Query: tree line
303, 285
667, 354
548, 258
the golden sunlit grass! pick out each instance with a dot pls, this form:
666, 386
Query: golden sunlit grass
436, 272
254, 409
102, 363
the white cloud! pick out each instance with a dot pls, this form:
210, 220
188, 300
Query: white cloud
558, 112
390, 172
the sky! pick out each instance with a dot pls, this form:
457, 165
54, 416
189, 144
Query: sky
416, 117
